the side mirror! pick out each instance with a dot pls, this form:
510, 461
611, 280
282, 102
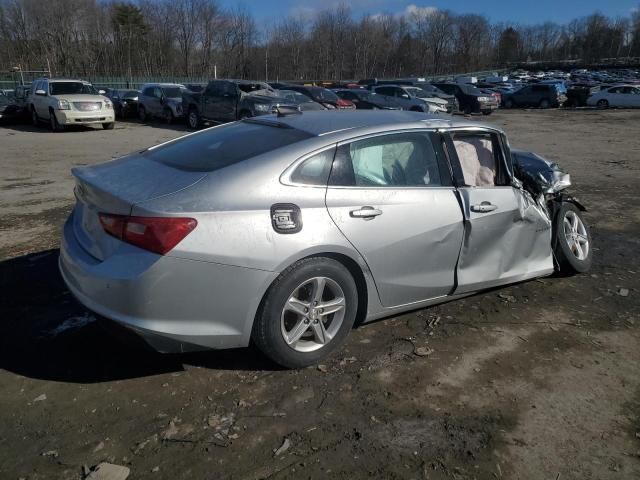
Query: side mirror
41, 93
101, 92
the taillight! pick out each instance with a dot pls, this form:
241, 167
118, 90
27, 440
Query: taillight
156, 234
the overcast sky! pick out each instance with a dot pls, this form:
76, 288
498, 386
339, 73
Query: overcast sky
517, 11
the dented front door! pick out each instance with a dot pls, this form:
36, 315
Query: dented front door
507, 236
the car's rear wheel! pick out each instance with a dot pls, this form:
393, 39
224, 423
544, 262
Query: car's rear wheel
602, 103
573, 246
509, 104
245, 114
544, 103
193, 119
307, 312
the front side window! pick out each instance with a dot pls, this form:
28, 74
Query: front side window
397, 160
479, 157
172, 92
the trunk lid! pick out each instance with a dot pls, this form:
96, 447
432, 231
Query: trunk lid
115, 187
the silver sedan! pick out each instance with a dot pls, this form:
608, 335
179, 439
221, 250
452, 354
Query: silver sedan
290, 228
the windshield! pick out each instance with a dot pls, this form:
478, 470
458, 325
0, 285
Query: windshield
323, 95
71, 88
418, 92
296, 97
172, 92
130, 94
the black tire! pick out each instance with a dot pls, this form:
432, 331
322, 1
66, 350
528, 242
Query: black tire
193, 118
544, 103
509, 103
35, 120
486, 112
54, 125
602, 103
267, 333
168, 115
416, 109
245, 114
568, 261
109, 126
142, 114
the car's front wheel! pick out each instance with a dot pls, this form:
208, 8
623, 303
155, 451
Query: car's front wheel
603, 103
193, 119
573, 246
54, 125
142, 114
307, 312
35, 121
109, 125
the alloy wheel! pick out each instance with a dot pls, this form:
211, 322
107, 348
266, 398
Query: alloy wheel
576, 235
313, 314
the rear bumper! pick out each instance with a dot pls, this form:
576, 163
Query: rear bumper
71, 117
174, 304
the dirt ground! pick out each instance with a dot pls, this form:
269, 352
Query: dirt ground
539, 380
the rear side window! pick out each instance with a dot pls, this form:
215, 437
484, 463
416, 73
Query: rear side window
315, 169
223, 146
396, 160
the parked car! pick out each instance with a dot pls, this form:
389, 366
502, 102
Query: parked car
433, 91
470, 99
407, 98
230, 100
304, 103
535, 95
323, 96
365, 100
578, 93
125, 102
62, 102
618, 96
15, 106
161, 100
287, 229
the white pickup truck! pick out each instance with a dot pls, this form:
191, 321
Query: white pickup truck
62, 102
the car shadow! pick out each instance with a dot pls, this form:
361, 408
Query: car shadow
46, 334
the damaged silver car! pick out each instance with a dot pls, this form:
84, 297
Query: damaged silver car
288, 229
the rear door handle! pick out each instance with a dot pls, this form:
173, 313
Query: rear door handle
483, 207
365, 212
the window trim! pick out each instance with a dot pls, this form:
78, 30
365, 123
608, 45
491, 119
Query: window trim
285, 177
433, 133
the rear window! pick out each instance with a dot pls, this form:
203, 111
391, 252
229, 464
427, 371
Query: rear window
223, 146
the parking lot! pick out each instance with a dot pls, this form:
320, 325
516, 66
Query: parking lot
533, 381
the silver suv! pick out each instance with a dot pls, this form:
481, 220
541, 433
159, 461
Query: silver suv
62, 102
161, 100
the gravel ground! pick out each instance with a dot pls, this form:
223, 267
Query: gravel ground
534, 381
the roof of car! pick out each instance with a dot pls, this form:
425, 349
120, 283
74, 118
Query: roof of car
332, 121
161, 84
61, 80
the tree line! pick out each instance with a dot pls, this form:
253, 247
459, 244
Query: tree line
199, 38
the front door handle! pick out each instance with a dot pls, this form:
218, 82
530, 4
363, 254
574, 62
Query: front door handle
365, 212
483, 207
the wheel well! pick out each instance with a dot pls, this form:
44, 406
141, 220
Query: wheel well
361, 283
416, 109
356, 273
